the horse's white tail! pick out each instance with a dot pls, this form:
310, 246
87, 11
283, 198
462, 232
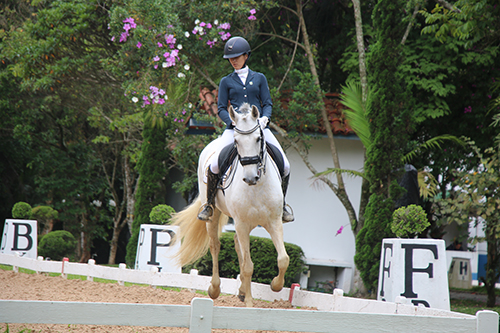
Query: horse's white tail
193, 233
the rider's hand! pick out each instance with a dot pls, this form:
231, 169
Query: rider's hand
263, 122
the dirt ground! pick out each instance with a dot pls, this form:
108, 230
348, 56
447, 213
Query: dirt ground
21, 286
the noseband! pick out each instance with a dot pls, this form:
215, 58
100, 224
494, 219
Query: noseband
257, 159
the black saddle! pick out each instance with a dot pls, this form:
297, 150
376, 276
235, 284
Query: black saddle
229, 153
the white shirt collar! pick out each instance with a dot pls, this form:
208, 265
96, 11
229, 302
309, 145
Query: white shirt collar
242, 73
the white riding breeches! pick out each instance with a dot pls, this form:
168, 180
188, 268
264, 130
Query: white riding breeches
227, 138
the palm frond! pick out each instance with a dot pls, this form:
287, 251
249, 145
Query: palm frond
328, 172
432, 144
357, 111
427, 184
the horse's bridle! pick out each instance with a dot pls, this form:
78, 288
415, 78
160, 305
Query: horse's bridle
257, 159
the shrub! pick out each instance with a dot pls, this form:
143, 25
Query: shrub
409, 221
44, 213
161, 214
57, 245
264, 258
21, 210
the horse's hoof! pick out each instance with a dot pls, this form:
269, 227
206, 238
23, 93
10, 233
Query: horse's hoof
241, 297
276, 286
213, 292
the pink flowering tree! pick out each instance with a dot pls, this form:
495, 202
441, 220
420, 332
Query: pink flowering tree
168, 51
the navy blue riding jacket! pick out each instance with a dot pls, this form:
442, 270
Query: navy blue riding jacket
254, 92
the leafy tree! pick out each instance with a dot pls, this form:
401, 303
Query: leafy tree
390, 117
151, 186
477, 197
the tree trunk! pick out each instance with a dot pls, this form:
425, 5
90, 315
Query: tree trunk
86, 241
361, 48
130, 188
118, 227
340, 190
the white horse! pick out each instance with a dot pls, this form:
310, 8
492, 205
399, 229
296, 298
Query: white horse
252, 196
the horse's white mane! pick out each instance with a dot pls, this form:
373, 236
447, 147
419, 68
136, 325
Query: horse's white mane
245, 108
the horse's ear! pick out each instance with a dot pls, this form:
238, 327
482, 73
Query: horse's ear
231, 113
255, 112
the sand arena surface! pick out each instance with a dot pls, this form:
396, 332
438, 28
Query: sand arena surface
21, 286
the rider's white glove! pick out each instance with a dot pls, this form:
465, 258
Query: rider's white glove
263, 122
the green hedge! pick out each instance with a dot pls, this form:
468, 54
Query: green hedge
264, 258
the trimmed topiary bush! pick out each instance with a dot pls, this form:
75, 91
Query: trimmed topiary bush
161, 214
409, 221
45, 216
57, 244
264, 258
21, 210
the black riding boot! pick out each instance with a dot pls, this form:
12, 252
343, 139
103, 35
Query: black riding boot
287, 217
208, 210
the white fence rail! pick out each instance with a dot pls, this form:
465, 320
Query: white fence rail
202, 316
336, 312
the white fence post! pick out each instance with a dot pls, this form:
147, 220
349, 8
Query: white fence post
487, 321
91, 263
122, 267
202, 311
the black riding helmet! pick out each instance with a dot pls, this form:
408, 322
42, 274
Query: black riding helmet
235, 47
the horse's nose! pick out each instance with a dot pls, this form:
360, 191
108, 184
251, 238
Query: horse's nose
251, 180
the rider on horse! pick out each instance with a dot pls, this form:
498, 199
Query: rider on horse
242, 86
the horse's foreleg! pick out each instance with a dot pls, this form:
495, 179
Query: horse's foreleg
276, 232
242, 246
213, 233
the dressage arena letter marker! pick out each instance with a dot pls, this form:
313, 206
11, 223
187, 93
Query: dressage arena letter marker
155, 249
155, 245
416, 269
385, 268
409, 269
20, 236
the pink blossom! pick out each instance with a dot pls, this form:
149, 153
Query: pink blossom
202, 24
253, 11
161, 92
160, 44
139, 45
252, 18
123, 36
170, 39
226, 36
340, 230
131, 21
113, 38
166, 54
224, 26
126, 27
156, 58
155, 66
209, 26
161, 101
